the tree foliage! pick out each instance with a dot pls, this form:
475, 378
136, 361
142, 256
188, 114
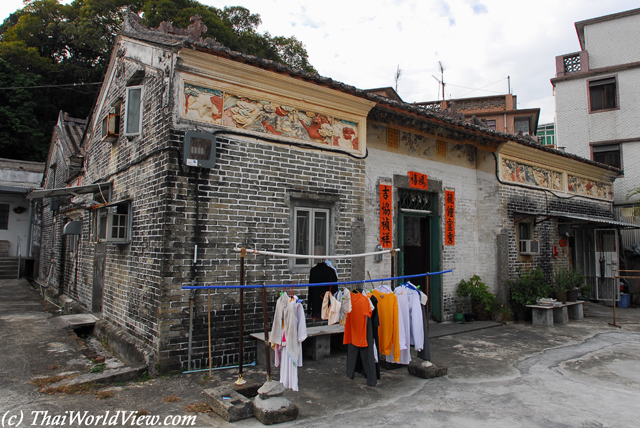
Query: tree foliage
61, 51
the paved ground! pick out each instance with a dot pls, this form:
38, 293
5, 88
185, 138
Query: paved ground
583, 374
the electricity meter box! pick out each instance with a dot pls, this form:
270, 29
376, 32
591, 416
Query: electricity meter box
199, 149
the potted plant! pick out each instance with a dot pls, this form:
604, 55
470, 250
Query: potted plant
503, 314
528, 286
567, 283
482, 300
459, 316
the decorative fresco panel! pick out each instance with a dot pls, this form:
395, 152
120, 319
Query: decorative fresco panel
417, 145
235, 111
517, 172
586, 187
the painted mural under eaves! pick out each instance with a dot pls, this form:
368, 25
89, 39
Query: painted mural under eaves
586, 187
517, 172
222, 108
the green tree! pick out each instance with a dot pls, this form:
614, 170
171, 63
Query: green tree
62, 51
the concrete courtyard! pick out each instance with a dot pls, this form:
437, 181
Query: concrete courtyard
582, 374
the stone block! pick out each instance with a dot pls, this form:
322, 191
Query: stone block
229, 404
423, 370
560, 315
271, 389
317, 347
274, 410
542, 317
576, 311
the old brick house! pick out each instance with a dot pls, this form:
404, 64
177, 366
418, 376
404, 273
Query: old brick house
192, 150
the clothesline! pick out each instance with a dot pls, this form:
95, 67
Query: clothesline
211, 287
315, 256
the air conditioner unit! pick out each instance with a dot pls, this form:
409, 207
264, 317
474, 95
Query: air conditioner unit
111, 127
529, 247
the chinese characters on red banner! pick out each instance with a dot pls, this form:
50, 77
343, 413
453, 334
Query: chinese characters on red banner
386, 240
449, 217
418, 181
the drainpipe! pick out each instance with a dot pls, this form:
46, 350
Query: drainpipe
194, 270
192, 298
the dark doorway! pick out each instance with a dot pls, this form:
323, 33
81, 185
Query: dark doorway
417, 258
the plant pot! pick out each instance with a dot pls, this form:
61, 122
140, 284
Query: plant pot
572, 295
458, 317
469, 317
560, 296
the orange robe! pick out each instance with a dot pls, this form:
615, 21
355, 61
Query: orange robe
355, 327
389, 330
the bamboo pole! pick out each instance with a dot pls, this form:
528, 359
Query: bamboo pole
241, 381
209, 329
267, 347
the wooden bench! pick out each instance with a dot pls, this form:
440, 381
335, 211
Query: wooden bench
316, 346
548, 315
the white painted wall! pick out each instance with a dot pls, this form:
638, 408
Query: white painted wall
608, 43
19, 225
613, 42
477, 214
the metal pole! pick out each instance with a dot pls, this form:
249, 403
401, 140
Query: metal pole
267, 348
209, 329
428, 301
241, 381
613, 299
393, 252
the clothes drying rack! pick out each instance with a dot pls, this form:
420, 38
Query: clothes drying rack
242, 286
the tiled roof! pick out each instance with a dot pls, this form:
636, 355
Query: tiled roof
133, 28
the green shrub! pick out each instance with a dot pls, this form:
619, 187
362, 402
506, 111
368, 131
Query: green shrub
567, 279
479, 293
528, 287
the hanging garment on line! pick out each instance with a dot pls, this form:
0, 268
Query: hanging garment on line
330, 308
375, 323
415, 315
288, 355
355, 328
389, 330
425, 354
404, 331
361, 358
411, 322
318, 274
275, 336
344, 297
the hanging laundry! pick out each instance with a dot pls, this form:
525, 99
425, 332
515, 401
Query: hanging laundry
358, 336
330, 308
404, 330
411, 321
389, 330
344, 297
320, 273
290, 329
425, 354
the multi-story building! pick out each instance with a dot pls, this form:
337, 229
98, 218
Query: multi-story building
546, 135
597, 93
498, 112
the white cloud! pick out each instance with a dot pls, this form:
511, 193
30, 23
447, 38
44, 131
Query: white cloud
480, 42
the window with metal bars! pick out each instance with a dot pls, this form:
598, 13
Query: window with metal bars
414, 200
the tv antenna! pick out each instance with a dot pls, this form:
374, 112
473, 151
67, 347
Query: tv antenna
440, 80
398, 74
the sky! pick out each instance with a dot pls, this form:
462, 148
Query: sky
485, 46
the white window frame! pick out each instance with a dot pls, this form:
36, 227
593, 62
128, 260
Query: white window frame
311, 234
127, 112
117, 216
